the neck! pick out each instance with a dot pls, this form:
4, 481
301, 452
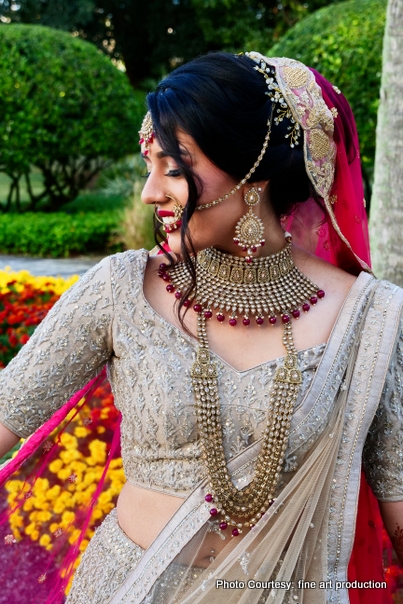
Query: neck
273, 236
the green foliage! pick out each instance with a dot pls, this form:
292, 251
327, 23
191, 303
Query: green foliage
64, 108
154, 36
344, 43
240, 25
95, 202
123, 177
57, 235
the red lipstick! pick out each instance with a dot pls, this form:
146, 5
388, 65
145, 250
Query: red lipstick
164, 213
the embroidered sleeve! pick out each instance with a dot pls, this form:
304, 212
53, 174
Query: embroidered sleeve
383, 451
67, 349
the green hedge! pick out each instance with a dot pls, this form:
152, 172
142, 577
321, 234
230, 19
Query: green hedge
344, 42
57, 235
64, 108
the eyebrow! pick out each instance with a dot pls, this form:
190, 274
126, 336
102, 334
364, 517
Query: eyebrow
162, 154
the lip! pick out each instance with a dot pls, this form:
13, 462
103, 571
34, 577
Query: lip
164, 213
169, 228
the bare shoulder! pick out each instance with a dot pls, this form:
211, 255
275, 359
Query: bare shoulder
317, 326
332, 279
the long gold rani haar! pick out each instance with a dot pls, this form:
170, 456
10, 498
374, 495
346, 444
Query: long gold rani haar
273, 287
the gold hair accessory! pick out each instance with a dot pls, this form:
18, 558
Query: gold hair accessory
146, 132
249, 229
274, 287
205, 206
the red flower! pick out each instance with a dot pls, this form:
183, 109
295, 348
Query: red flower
13, 340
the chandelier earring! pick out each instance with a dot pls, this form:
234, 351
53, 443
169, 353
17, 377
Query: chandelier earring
249, 229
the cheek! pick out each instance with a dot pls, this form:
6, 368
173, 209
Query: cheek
210, 227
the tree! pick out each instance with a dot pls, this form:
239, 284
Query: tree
154, 36
64, 108
387, 204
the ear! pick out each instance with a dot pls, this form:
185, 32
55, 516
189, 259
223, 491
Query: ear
260, 186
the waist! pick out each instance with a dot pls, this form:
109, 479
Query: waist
143, 512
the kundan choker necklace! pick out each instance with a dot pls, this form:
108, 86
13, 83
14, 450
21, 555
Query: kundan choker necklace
274, 288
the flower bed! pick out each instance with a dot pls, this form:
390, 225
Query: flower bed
45, 509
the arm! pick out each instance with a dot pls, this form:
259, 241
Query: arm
383, 451
7, 440
66, 351
392, 516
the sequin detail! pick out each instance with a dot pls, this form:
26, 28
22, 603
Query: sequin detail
105, 564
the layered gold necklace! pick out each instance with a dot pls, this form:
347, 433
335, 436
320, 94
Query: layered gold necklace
272, 288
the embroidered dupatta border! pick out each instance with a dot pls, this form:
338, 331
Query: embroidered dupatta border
376, 347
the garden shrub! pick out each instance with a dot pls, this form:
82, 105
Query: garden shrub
343, 41
64, 107
59, 234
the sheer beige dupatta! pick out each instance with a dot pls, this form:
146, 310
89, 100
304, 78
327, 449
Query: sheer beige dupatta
307, 534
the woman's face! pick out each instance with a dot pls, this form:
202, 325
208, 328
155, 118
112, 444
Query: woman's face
165, 184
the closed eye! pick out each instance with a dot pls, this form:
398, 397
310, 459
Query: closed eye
174, 173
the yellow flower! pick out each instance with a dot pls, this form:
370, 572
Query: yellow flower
83, 545
98, 450
45, 540
55, 465
28, 505
97, 514
69, 441
44, 516
16, 521
54, 492
30, 528
64, 473
41, 484
116, 463
74, 536
67, 518
69, 455
81, 432
56, 284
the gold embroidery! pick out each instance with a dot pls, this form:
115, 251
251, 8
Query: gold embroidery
333, 199
295, 77
336, 89
319, 145
320, 116
334, 111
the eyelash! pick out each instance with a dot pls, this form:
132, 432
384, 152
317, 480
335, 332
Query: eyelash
173, 173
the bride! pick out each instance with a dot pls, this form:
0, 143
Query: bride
255, 359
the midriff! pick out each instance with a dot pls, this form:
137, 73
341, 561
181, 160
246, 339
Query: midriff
143, 513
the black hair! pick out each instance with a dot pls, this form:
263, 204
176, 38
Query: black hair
220, 100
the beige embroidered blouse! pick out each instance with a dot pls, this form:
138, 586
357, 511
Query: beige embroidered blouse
105, 318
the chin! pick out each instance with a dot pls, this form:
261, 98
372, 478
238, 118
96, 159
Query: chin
174, 242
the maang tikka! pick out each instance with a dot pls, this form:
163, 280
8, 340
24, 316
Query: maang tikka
249, 229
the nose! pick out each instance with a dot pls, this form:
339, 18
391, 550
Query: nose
153, 192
